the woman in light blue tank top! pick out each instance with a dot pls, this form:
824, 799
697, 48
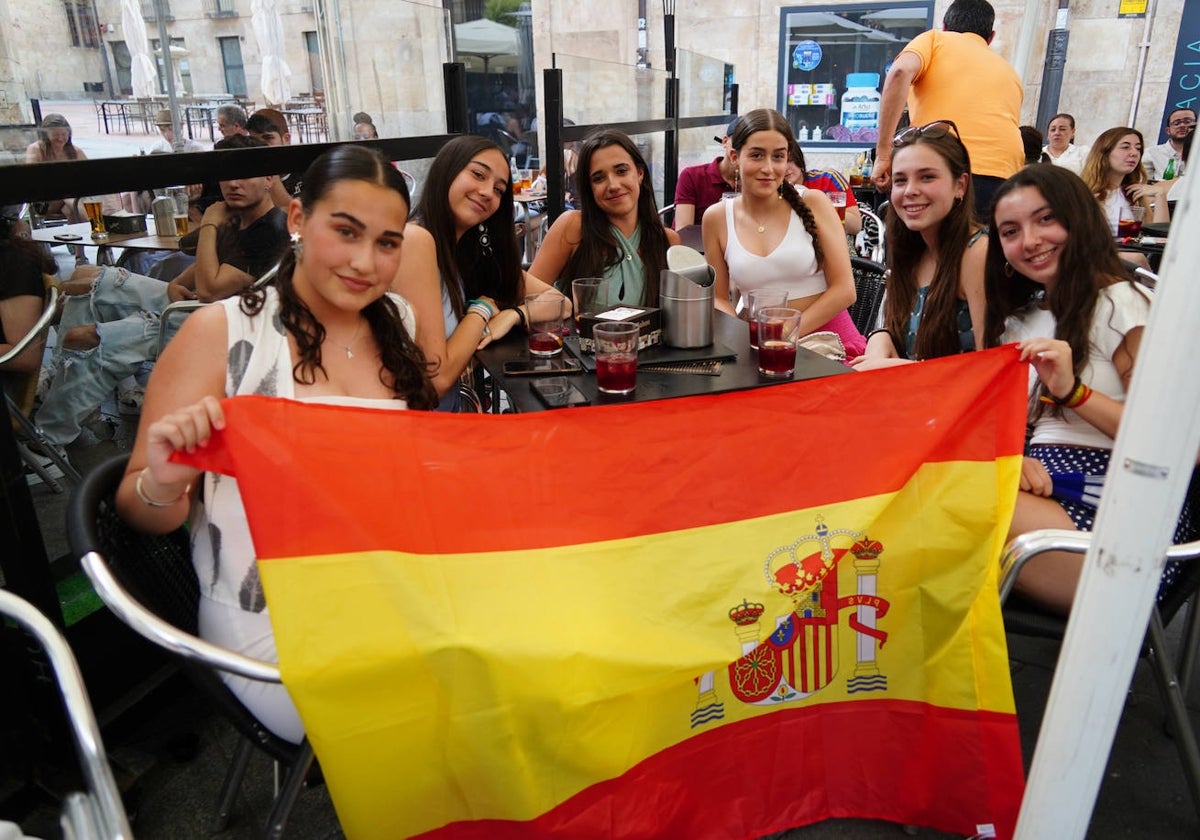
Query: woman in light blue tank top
616, 233
462, 247
936, 252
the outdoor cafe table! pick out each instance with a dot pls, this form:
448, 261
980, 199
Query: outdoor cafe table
135, 241
737, 375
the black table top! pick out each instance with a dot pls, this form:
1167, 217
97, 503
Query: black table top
656, 385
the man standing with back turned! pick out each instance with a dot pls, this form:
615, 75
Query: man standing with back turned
954, 75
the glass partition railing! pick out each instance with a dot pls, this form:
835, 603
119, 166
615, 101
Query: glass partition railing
598, 92
705, 84
118, 99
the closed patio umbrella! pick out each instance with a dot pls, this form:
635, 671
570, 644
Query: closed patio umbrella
143, 75
268, 29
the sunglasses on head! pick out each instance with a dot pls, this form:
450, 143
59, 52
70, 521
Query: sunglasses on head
911, 133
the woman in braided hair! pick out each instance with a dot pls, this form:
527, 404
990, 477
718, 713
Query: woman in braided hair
776, 235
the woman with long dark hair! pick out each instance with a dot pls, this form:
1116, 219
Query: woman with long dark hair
56, 142
1055, 284
777, 235
935, 301
461, 258
616, 233
344, 340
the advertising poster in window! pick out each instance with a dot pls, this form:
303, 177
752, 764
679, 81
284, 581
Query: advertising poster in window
833, 61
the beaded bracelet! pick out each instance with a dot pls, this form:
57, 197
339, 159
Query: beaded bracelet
141, 492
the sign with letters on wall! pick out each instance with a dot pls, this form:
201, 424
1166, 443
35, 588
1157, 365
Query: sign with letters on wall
1184, 88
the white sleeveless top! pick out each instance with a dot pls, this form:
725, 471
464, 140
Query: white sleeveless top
791, 266
259, 362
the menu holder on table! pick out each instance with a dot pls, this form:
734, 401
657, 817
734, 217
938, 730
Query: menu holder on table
660, 354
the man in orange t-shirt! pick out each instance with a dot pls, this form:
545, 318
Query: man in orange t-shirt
954, 75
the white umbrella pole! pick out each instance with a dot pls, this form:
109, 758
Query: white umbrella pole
164, 43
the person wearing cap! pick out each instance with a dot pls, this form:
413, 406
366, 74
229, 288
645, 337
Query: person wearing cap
162, 119
701, 186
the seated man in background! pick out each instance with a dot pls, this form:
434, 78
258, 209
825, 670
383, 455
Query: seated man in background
110, 322
166, 143
271, 127
700, 187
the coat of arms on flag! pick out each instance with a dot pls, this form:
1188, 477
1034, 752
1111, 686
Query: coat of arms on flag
482, 643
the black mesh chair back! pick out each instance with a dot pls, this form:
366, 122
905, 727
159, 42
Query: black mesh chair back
869, 285
157, 571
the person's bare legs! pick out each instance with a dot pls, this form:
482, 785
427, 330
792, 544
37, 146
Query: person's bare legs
1050, 578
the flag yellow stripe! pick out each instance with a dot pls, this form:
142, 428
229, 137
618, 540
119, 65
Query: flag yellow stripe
516, 679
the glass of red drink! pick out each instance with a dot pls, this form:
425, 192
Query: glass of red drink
546, 312
757, 300
616, 357
778, 331
1130, 222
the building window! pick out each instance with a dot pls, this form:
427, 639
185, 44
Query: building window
832, 63
81, 22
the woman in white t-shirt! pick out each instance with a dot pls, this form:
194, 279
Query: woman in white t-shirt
1061, 147
1054, 283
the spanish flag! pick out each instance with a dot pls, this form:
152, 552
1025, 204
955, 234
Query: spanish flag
709, 617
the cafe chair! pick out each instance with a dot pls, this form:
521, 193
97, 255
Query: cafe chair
1024, 618
97, 814
149, 582
184, 307
870, 282
20, 395
870, 239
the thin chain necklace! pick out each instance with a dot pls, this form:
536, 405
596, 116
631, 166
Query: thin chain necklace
759, 226
353, 338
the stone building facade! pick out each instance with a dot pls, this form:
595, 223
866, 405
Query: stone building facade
385, 56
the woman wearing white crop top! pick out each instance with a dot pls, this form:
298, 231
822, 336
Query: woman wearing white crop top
774, 235
327, 331
1054, 283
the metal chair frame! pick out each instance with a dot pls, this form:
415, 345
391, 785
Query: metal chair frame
98, 814
872, 236
28, 428
187, 306
90, 513
1173, 679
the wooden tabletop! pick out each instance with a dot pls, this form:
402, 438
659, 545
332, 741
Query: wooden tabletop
139, 241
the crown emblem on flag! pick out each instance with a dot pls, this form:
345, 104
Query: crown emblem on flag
745, 613
866, 548
794, 573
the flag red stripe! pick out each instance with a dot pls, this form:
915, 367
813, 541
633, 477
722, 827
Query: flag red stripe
883, 759
566, 477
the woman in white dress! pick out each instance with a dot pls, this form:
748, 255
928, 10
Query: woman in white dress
327, 331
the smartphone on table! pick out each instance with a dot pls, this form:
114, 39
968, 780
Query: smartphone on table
552, 366
558, 392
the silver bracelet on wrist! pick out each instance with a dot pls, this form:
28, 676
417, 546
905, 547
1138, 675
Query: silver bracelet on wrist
141, 492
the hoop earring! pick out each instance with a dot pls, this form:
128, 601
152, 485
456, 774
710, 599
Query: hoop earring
485, 241
297, 244
1008, 269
